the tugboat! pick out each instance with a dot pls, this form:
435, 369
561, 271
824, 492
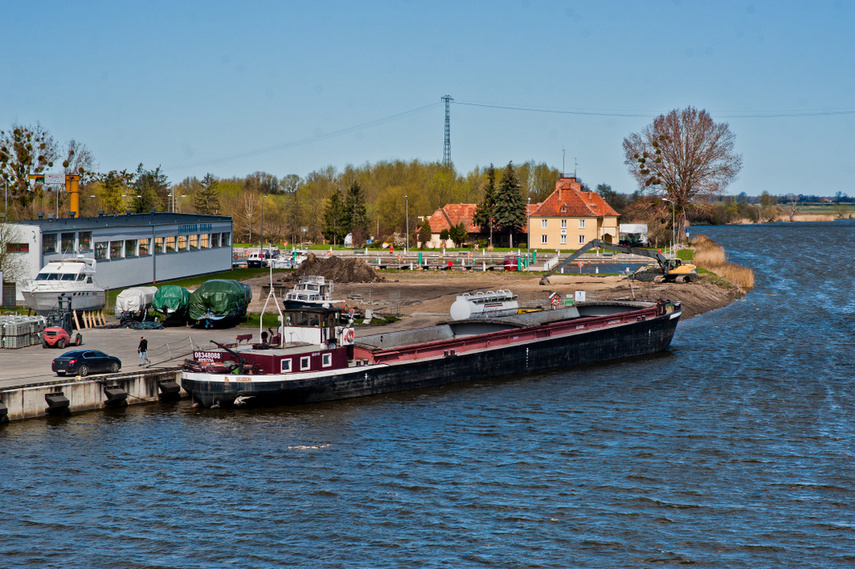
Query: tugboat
314, 355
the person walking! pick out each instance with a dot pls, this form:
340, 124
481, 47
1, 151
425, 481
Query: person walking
143, 350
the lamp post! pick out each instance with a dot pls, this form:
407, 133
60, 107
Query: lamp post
261, 246
407, 200
528, 228
673, 219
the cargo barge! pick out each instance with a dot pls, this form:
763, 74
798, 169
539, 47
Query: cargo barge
314, 356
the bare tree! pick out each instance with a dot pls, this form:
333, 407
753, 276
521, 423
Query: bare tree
682, 156
13, 264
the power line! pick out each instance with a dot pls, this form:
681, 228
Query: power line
639, 114
302, 141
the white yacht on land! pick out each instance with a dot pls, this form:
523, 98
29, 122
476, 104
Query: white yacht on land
73, 278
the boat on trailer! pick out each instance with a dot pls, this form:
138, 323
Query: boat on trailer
72, 278
315, 355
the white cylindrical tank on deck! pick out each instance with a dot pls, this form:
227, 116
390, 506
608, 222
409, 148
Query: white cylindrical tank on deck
484, 305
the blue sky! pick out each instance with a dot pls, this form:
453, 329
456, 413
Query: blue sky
285, 87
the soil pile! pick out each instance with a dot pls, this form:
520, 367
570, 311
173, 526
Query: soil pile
337, 269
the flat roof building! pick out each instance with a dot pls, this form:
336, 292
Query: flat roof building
130, 249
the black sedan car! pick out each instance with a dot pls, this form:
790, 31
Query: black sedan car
84, 362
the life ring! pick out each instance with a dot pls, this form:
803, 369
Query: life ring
348, 336
400, 258
329, 253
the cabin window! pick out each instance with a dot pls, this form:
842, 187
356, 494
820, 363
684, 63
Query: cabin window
131, 248
116, 249
67, 240
305, 363
581, 224
327, 360
84, 241
49, 243
543, 224
285, 365
144, 247
543, 239
100, 249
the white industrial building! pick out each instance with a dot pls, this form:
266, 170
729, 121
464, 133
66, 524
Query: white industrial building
129, 249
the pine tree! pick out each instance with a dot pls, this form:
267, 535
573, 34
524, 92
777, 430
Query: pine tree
354, 217
510, 205
207, 199
333, 219
424, 233
485, 213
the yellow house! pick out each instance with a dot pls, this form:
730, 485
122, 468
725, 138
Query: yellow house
570, 217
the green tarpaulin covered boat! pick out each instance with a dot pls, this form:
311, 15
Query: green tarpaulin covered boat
219, 301
172, 302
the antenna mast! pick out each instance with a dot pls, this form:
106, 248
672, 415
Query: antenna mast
446, 147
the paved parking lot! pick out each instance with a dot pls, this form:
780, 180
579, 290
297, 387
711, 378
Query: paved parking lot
166, 348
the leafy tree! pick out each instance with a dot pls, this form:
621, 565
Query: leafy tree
485, 212
334, 230
114, 190
510, 205
151, 187
424, 233
444, 235
207, 198
354, 218
458, 234
613, 198
25, 151
683, 155
262, 183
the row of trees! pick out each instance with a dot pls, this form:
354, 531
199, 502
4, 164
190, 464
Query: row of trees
681, 160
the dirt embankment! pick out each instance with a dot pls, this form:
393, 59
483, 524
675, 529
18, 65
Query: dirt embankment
428, 295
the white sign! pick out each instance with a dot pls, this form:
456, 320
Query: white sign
580, 296
55, 179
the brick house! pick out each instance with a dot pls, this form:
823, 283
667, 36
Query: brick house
570, 217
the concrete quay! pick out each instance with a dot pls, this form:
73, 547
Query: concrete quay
28, 387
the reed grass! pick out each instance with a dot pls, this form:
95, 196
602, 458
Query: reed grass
711, 256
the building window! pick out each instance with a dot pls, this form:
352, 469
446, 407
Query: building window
305, 363
84, 241
131, 248
564, 240
543, 224
327, 360
49, 243
67, 240
285, 365
170, 244
100, 249
543, 239
116, 250
581, 240
18, 248
226, 241
144, 247
563, 224
182, 242
203, 241
158, 245
581, 224
194, 242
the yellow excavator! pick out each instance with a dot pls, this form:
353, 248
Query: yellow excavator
668, 270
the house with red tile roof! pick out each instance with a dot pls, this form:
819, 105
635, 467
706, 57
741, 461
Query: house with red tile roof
570, 217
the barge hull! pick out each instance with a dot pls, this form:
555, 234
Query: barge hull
639, 338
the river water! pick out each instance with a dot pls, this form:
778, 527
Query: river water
734, 449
